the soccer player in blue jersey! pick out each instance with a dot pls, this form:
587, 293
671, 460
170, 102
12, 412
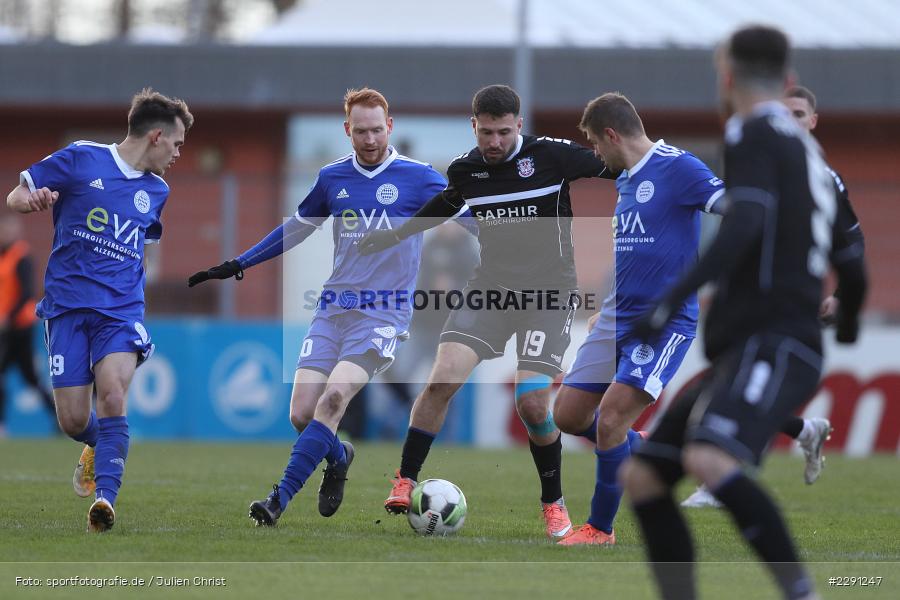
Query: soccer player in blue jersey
348, 342
662, 191
106, 202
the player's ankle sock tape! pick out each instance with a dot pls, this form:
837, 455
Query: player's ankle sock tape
110, 456
548, 460
669, 546
310, 448
591, 432
336, 453
761, 524
90, 433
415, 451
607, 491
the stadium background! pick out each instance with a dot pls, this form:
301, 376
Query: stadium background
266, 97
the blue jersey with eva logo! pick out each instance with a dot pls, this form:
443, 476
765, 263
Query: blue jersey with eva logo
105, 213
657, 231
362, 200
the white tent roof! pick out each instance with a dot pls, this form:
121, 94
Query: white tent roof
582, 23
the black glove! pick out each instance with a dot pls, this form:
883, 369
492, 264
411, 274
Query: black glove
847, 329
378, 241
650, 325
229, 268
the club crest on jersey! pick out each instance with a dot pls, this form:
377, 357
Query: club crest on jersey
387, 193
142, 201
644, 191
642, 354
525, 166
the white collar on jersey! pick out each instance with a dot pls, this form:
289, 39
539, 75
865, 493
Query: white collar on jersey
391, 155
637, 167
127, 170
517, 150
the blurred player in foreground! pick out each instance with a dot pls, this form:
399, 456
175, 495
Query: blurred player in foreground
811, 434
350, 339
763, 334
106, 202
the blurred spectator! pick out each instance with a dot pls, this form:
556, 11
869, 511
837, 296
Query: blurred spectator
17, 316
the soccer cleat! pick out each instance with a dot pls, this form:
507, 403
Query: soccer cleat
101, 516
701, 498
398, 502
812, 449
556, 520
83, 479
331, 492
266, 512
588, 535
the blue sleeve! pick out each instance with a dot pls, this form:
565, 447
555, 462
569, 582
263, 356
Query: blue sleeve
701, 189
280, 240
54, 172
313, 209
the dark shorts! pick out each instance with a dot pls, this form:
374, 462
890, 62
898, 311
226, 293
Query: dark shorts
542, 333
738, 405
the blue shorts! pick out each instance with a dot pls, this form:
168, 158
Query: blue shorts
78, 339
603, 358
362, 339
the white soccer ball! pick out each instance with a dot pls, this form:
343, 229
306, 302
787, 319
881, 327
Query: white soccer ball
437, 507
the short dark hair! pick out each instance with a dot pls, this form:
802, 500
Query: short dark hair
799, 91
495, 100
611, 110
759, 55
149, 108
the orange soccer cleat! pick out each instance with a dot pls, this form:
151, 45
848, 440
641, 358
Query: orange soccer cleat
83, 479
398, 502
556, 520
588, 535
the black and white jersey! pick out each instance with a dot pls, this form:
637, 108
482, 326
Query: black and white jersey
777, 284
523, 210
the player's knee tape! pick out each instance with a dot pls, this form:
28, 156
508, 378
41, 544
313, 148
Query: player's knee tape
533, 384
547, 426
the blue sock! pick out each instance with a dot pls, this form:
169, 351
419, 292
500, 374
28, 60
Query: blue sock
634, 439
607, 491
311, 447
336, 454
591, 432
90, 433
110, 456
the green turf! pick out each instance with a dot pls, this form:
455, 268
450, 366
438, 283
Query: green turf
187, 503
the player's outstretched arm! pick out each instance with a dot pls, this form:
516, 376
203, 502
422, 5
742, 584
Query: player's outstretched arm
23, 200
280, 240
441, 207
741, 227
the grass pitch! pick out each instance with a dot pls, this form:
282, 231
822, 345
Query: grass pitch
182, 516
